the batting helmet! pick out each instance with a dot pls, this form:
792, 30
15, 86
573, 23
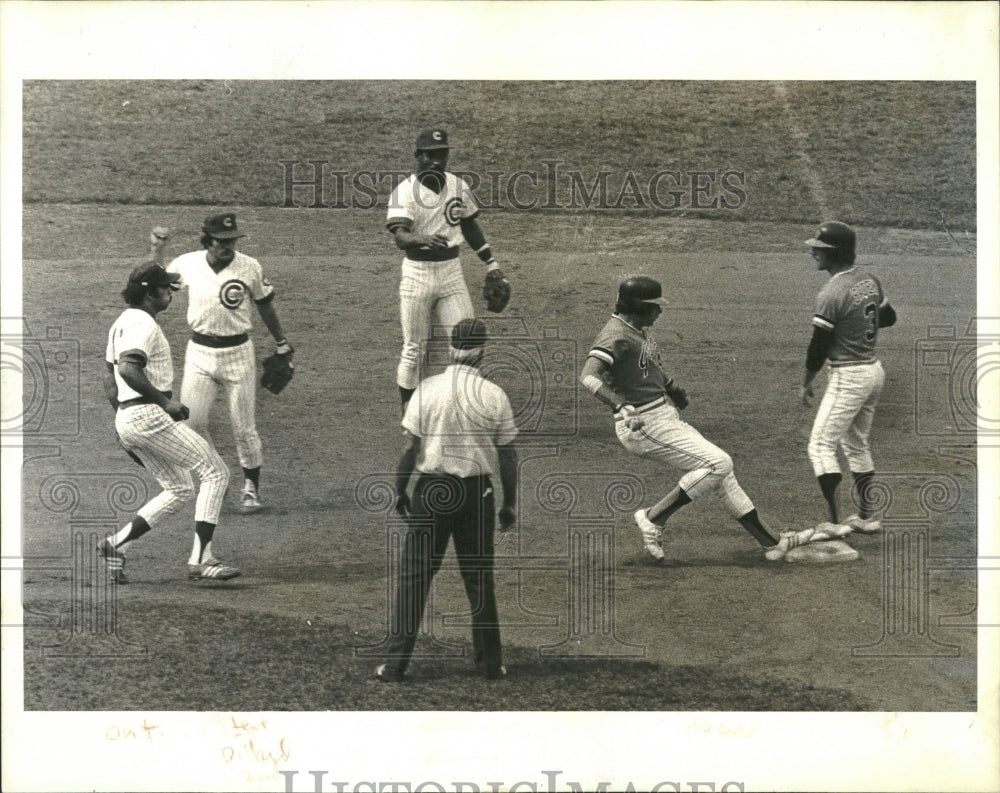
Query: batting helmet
638, 291
837, 237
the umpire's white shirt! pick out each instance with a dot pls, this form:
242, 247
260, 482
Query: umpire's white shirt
460, 418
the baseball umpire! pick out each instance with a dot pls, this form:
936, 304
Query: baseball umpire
456, 425
624, 371
222, 282
850, 309
149, 423
429, 215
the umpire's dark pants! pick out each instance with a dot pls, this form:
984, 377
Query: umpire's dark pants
448, 506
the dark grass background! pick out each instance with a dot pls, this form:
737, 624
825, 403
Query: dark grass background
897, 154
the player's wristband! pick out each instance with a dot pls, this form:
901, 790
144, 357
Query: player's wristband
283, 347
486, 256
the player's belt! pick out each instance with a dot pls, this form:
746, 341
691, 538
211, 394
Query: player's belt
143, 400
441, 255
220, 341
839, 364
658, 402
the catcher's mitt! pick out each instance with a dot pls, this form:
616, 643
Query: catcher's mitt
278, 372
496, 291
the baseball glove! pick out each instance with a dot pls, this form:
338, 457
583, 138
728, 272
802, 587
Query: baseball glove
278, 372
496, 291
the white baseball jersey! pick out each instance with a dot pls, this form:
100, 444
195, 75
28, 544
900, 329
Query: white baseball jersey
219, 302
433, 213
136, 333
460, 417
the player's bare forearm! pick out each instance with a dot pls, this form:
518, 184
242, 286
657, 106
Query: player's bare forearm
407, 462
507, 458
409, 241
111, 386
593, 379
474, 236
271, 321
135, 378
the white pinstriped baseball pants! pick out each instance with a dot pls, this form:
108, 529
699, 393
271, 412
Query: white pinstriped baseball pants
845, 418
426, 287
171, 451
665, 438
234, 369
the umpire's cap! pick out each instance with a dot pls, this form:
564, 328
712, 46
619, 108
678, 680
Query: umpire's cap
222, 226
431, 139
836, 236
640, 290
469, 334
151, 274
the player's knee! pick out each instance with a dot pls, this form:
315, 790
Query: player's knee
179, 495
819, 448
721, 466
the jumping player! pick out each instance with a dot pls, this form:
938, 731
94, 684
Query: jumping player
222, 282
429, 215
149, 422
850, 309
623, 370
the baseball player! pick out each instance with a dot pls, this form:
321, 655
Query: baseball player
149, 423
850, 309
624, 371
222, 283
429, 215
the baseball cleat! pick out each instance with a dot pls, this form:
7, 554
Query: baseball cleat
387, 675
213, 570
249, 502
651, 534
863, 525
114, 560
788, 540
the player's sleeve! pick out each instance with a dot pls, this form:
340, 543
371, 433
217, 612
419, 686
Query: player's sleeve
400, 211
132, 342
825, 316
177, 266
261, 289
607, 348
411, 418
109, 352
470, 207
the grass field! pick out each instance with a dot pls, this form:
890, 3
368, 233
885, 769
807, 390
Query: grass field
715, 628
